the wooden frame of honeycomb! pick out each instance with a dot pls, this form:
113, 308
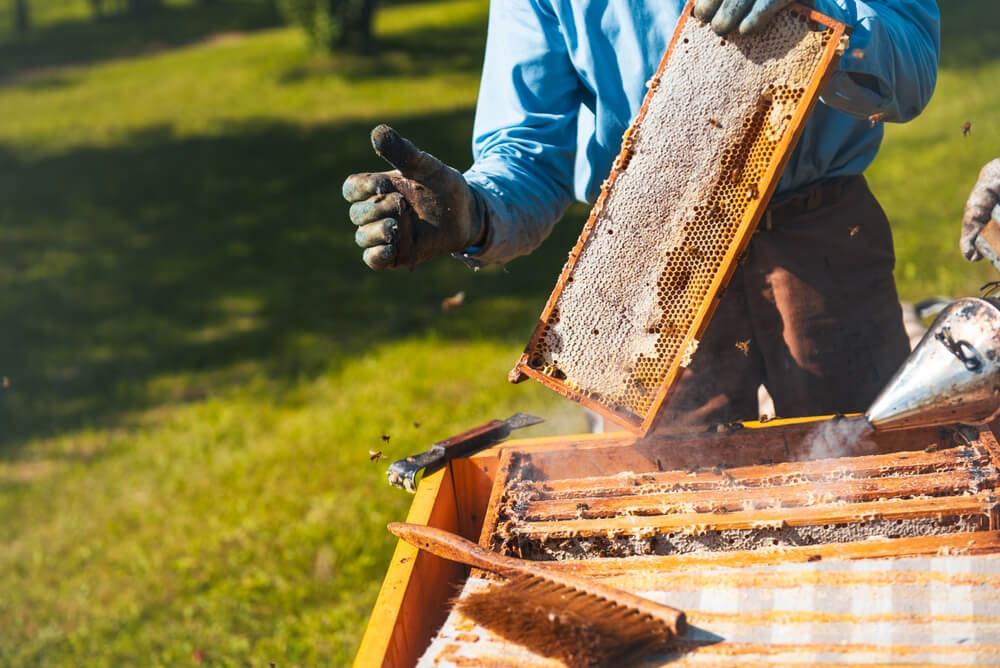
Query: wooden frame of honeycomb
549, 504
664, 237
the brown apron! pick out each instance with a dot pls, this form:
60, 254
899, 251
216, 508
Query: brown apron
811, 313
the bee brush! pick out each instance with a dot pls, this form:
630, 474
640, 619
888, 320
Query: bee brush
551, 612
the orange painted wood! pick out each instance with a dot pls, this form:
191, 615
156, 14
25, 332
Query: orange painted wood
775, 442
819, 514
732, 499
981, 542
867, 466
494, 504
473, 483
412, 603
987, 439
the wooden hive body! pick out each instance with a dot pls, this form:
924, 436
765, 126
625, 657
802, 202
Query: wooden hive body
697, 167
887, 555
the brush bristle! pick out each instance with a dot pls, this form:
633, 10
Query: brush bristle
560, 622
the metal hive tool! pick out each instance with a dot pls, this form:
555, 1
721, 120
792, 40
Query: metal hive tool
697, 167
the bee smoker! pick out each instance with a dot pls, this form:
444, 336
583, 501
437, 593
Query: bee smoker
951, 377
953, 374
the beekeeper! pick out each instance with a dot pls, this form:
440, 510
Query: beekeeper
561, 82
983, 203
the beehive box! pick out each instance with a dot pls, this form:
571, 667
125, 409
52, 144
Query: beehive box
696, 169
822, 503
887, 555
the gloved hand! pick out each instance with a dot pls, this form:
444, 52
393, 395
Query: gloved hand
748, 15
978, 210
419, 211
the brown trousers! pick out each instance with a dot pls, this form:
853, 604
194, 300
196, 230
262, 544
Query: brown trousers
811, 313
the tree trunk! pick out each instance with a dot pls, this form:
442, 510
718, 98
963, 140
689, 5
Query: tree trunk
142, 7
21, 21
366, 20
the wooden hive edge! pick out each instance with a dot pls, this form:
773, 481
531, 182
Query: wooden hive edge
864, 466
733, 499
980, 542
815, 515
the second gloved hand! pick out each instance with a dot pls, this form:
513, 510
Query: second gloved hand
747, 15
421, 210
984, 198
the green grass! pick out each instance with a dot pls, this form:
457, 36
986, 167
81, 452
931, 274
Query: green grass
198, 362
926, 168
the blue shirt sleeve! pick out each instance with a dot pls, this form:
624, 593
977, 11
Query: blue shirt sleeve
547, 67
525, 129
890, 67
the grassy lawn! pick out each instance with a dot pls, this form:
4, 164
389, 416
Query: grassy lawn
198, 362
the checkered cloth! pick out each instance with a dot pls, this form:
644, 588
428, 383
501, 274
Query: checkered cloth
942, 610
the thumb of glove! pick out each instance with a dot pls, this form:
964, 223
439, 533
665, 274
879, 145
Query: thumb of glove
403, 155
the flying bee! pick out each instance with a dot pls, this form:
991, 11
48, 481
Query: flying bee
875, 119
375, 455
744, 347
854, 231
453, 302
966, 128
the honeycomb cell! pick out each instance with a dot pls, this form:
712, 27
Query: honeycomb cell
701, 157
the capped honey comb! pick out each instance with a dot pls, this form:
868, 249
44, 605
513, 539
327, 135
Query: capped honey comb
697, 167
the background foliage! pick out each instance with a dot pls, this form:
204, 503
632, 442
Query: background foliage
198, 364
332, 23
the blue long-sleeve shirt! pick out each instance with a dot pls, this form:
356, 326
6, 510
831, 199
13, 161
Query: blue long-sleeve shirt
563, 79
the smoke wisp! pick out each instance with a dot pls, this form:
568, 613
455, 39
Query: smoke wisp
840, 438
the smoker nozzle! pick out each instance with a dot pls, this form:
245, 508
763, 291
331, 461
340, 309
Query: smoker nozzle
951, 377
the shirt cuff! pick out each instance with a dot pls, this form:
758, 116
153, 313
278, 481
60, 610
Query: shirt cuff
496, 248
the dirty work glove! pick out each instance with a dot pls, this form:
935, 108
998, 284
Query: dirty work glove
747, 15
419, 211
984, 198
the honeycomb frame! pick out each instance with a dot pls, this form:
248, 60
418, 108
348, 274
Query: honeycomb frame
691, 281
549, 504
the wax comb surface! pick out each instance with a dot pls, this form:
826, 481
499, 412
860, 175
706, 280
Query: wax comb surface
696, 169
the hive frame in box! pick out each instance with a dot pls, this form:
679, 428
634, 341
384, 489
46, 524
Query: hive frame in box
529, 367
413, 600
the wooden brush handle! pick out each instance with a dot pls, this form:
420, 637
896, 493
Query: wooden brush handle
455, 548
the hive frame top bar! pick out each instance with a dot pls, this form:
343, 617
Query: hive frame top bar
531, 365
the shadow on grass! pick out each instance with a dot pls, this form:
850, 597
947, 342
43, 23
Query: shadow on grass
123, 35
229, 254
